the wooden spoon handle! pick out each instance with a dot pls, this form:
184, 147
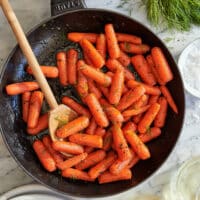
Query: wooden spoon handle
26, 49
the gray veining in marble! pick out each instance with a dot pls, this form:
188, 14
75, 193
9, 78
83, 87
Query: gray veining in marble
32, 12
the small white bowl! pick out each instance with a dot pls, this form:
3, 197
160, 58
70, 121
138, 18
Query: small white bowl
183, 65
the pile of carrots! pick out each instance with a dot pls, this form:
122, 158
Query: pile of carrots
118, 114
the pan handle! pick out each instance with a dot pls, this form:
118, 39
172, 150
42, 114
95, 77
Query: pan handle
61, 6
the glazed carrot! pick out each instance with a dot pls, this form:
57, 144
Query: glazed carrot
62, 67
36, 101
48, 71
128, 75
93, 88
153, 99
82, 85
41, 125
161, 65
25, 105
161, 116
148, 88
92, 127
107, 140
153, 70
88, 149
104, 90
96, 110
55, 154
148, 118
125, 89
137, 118
81, 110
72, 127
72, 58
142, 101
76, 174
134, 48
107, 177
44, 156
87, 140
87, 59
102, 166
123, 37
112, 113
77, 36
133, 162
124, 59
120, 143
166, 93
152, 133
100, 131
112, 44
143, 69
130, 97
129, 126
91, 160
138, 146
71, 161
67, 147
101, 45
19, 88
94, 74
93, 54
133, 112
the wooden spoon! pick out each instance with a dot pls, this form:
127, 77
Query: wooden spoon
58, 112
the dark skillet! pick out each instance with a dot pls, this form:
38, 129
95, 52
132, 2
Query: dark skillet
46, 39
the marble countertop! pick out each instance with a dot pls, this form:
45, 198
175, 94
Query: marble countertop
188, 145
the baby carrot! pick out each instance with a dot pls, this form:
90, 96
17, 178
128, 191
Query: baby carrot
72, 58
92, 127
25, 105
112, 44
77, 36
62, 67
161, 65
44, 156
93, 88
166, 93
130, 97
76, 174
143, 69
100, 131
120, 143
101, 45
96, 110
87, 140
125, 89
138, 146
107, 140
124, 59
142, 101
36, 101
70, 162
161, 116
134, 48
133, 112
104, 90
107, 177
82, 85
81, 110
48, 71
93, 54
148, 118
55, 154
153, 70
116, 87
67, 147
152, 133
41, 125
102, 166
133, 162
91, 160
129, 126
123, 37
152, 90
87, 59
153, 99
19, 88
113, 64
94, 74
72, 127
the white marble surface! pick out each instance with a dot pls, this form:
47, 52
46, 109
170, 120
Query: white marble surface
30, 13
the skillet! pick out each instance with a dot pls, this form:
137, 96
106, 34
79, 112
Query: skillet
46, 39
